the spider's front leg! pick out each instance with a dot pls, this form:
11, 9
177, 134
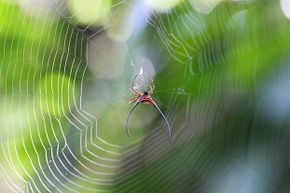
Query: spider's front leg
135, 92
152, 87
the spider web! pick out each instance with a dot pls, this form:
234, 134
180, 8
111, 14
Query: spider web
64, 111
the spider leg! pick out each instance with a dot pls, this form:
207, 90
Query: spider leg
130, 113
152, 87
135, 92
151, 90
132, 99
132, 89
167, 123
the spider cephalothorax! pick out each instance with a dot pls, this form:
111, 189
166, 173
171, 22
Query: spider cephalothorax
144, 97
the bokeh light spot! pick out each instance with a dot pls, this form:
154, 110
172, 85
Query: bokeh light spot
285, 6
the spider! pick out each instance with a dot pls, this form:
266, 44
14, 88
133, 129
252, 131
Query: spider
144, 97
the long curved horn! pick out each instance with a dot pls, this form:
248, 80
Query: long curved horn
130, 113
167, 123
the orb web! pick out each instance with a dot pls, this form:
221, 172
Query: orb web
64, 84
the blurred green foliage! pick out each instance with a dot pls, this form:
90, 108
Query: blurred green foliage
213, 69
